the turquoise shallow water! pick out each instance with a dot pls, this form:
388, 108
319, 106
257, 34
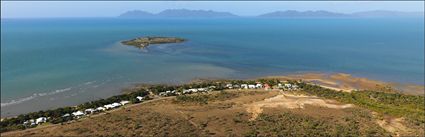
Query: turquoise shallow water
48, 63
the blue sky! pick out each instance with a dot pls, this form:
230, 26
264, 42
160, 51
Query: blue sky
37, 9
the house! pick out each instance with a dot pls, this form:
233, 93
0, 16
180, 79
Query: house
162, 94
78, 113
258, 85
279, 85
229, 86
194, 90
89, 111
245, 86
236, 86
29, 122
26, 122
100, 109
124, 102
212, 87
140, 98
66, 115
202, 89
267, 86
186, 91
116, 104
288, 85
251, 86
109, 106
40, 120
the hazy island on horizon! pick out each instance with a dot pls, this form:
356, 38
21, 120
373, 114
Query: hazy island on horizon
187, 13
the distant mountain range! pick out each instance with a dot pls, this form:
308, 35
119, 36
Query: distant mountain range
185, 13
177, 13
294, 13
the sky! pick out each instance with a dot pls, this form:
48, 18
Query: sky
46, 9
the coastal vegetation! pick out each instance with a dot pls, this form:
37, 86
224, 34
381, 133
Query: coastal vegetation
291, 124
57, 115
205, 98
410, 107
143, 42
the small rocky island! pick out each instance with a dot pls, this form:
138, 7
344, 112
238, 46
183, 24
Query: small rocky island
143, 42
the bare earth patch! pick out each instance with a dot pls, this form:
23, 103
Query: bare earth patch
393, 125
291, 101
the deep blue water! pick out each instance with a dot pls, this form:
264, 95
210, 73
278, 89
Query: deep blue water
47, 63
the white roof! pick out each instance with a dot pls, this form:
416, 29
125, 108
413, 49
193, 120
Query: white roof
116, 104
89, 109
108, 106
78, 113
100, 108
66, 115
140, 98
124, 102
40, 120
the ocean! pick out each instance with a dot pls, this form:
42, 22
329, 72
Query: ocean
53, 62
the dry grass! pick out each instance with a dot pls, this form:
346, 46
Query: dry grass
221, 116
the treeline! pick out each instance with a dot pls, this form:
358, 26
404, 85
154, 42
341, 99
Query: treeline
410, 107
217, 85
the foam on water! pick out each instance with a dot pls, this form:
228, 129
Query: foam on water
35, 95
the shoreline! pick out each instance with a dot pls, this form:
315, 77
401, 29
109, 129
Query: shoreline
336, 81
209, 87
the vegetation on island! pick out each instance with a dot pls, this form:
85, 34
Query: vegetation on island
143, 42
